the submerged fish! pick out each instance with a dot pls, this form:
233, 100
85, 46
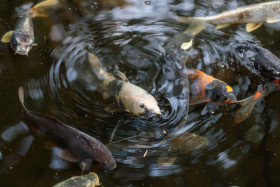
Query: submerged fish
79, 145
89, 180
22, 38
260, 59
248, 104
204, 88
131, 97
254, 15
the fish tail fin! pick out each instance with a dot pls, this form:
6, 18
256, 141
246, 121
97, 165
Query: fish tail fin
21, 97
94, 61
196, 24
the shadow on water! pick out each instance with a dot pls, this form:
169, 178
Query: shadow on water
133, 37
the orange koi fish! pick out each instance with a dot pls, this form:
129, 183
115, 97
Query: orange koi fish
205, 88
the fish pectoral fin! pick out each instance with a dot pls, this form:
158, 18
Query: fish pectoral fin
35, 45
221, 26
187, 45
112, 108
67, 155
6, 38
272, 20
252, 26
195, 29
41, 14
120, 75
247, 106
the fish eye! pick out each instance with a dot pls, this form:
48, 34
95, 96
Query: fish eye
142, 105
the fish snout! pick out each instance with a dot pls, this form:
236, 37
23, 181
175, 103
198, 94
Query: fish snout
110, 166
153, 112
22, 50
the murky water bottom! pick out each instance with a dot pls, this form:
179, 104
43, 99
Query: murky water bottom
132, 37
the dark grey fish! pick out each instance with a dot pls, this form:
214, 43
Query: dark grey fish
260, 59
22, 38
79, 144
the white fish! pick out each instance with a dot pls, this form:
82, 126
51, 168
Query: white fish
131, 97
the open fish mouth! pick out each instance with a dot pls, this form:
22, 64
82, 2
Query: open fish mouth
151, 113
22, 50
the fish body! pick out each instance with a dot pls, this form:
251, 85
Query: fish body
205, 88
89, 180
256, 13
260, 59
253, 15
79, 144
22, 38
131, 97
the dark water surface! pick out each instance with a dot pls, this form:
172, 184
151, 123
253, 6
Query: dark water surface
132, 36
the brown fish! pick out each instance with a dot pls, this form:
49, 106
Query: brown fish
79, 144
253, 15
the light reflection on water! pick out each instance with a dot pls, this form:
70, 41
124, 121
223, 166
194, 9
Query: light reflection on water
133, 38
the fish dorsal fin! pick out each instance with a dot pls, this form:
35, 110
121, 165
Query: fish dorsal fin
120, 75
67, 155
94, 60
272, 20
252, 26
6, 38
221, 26
187, 45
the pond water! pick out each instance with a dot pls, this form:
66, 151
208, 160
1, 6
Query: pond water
133, 36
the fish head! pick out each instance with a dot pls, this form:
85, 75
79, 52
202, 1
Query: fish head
22, 44
219, 92
144, 105
259, 60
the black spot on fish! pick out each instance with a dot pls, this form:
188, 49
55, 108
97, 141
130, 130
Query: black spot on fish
115, 87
